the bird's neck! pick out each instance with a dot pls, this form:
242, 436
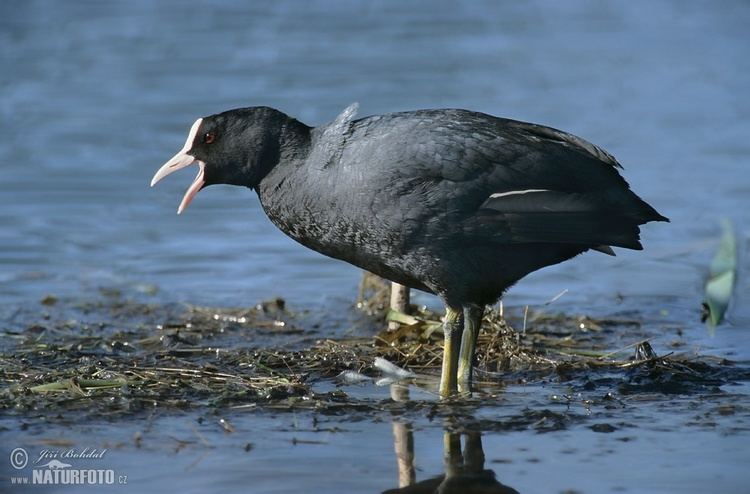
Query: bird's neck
290, 192
278, 179
294, 141
286, 144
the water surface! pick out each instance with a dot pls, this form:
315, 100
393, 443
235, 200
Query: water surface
96, 96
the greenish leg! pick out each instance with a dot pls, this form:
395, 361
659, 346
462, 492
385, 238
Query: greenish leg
472, 322
452, 459
452, 328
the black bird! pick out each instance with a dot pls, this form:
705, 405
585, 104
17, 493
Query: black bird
456, 203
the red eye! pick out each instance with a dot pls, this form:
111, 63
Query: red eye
209, 137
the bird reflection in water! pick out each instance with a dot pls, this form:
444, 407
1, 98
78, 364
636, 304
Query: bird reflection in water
464, 470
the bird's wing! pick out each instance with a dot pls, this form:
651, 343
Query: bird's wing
507, 181
550, 216
569, 140
559, 188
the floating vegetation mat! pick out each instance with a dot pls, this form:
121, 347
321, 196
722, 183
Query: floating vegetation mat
116, 356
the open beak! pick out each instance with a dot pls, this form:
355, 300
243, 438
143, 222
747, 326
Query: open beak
180, 160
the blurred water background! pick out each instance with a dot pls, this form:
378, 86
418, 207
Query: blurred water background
97, 95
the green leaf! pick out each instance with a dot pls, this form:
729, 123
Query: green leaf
723, 269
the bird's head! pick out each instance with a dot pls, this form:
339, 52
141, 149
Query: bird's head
236, 147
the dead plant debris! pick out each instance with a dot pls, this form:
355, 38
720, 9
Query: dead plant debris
116, 356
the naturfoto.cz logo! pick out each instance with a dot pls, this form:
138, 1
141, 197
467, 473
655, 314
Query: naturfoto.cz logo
55, 467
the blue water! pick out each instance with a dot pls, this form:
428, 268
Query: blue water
97, 95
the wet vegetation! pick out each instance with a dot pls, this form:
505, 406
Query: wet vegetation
117, 357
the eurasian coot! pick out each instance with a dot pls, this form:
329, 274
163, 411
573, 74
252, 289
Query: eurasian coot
453, 202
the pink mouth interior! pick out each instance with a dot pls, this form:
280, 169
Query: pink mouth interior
197, 184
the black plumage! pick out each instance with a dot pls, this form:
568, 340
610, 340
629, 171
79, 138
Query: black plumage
456, 203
